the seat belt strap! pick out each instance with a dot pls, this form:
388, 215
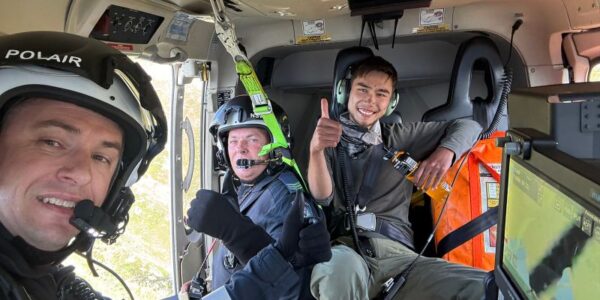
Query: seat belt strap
468, 231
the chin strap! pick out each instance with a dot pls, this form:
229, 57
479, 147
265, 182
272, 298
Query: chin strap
261, 104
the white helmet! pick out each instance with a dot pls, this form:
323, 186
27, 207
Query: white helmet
238, 113
92, 75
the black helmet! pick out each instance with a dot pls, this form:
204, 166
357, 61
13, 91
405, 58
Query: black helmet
92, 75
238, 113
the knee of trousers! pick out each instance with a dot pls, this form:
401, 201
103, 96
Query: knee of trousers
346, 269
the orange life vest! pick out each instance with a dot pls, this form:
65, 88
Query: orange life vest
477, 189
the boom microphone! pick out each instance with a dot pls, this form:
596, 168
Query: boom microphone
92, 220
249, 163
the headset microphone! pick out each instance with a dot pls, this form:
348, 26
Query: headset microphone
91, 219
248, 163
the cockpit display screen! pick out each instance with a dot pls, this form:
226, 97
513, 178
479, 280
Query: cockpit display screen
551, 246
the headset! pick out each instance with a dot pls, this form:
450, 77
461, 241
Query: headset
344, 85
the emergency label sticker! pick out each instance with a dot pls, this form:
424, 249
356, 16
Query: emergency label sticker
431, 28
493, 193
179, 28
431, 16
490, 197
121, 47
312, 39
314, 27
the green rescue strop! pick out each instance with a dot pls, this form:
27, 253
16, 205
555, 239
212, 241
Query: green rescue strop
261, 105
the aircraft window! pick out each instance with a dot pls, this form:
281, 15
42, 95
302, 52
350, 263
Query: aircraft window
193, 96
595, 72
144, 265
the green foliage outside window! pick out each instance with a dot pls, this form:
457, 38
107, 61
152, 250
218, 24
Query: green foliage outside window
142, 256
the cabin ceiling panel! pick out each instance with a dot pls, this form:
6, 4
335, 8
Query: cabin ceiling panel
583, 14
20, 16
279, 9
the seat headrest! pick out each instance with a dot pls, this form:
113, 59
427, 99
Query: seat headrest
476, 54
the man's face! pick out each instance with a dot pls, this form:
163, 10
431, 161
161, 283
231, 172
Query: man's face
245, 143
369, 98
52, 155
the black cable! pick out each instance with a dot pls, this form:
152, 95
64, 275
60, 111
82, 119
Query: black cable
507, 79
515, 27
109, 270
400, 279
349, 201
198, 287
394, 36
506, 87
89, 260
373, 34
362, 29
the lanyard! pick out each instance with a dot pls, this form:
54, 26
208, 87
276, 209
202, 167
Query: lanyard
261, 104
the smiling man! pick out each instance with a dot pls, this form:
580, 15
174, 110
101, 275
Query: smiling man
245, 144
250, 223
57, 154
371, 94
73, 139
378, 196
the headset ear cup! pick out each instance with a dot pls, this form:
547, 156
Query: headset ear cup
393, 103
342, 92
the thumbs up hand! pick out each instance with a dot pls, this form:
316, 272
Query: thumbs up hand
324, 108
327, 133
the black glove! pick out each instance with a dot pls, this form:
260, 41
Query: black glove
303, 243
212, 214
314, 245
290, 235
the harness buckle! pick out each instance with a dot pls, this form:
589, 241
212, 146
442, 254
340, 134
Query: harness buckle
229, 261
358, 209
